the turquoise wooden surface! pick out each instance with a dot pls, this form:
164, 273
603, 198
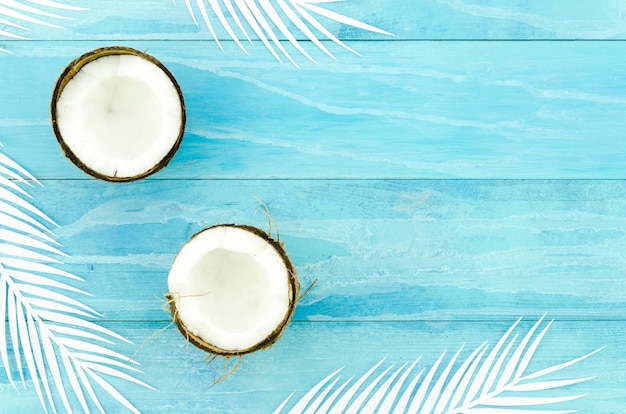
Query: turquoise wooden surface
443, 110
460, 175
430, 19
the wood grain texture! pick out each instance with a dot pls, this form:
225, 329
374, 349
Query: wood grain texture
453, 178
404, 268
398, 250
309, 351
404, 110
407, 20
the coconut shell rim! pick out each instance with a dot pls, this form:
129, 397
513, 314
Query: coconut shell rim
294, 288
68, 74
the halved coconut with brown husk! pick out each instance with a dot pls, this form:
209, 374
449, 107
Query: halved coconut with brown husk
118, 114
232, 290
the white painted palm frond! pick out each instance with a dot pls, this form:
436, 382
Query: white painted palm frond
47, 335
18, 15
488, 381
269, 20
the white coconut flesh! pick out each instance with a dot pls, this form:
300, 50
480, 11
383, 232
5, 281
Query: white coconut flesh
231, 288
120, 115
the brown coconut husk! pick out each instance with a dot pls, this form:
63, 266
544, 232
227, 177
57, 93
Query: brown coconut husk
294, 289
72, 69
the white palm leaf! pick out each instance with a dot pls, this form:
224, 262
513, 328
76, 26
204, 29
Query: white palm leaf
487, 381
270, 19
18, 15
46, 333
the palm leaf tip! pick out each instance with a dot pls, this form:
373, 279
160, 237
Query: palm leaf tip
275, 22
490, 380
54, 340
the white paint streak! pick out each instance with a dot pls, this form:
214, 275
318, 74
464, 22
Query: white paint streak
563, 94
572, 29
150, 260
17, 122
341, 110
124, 211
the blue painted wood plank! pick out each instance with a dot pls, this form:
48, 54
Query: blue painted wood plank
403, 110
309, 351
406, 19
380, 250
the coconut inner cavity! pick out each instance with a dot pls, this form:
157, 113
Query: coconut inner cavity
234, 291
121, 117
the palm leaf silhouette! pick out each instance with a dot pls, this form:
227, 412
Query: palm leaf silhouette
270, 19
17, 15
486, 382
44, 331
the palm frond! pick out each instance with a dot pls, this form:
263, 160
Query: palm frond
271, 19
18, 15
488, 381
45, 332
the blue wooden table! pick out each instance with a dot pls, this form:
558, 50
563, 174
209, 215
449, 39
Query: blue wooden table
461, 174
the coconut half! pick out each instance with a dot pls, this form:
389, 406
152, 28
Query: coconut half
232, 290
118, 114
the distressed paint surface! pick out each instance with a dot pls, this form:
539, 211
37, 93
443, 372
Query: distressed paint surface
437, 190
403, 110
